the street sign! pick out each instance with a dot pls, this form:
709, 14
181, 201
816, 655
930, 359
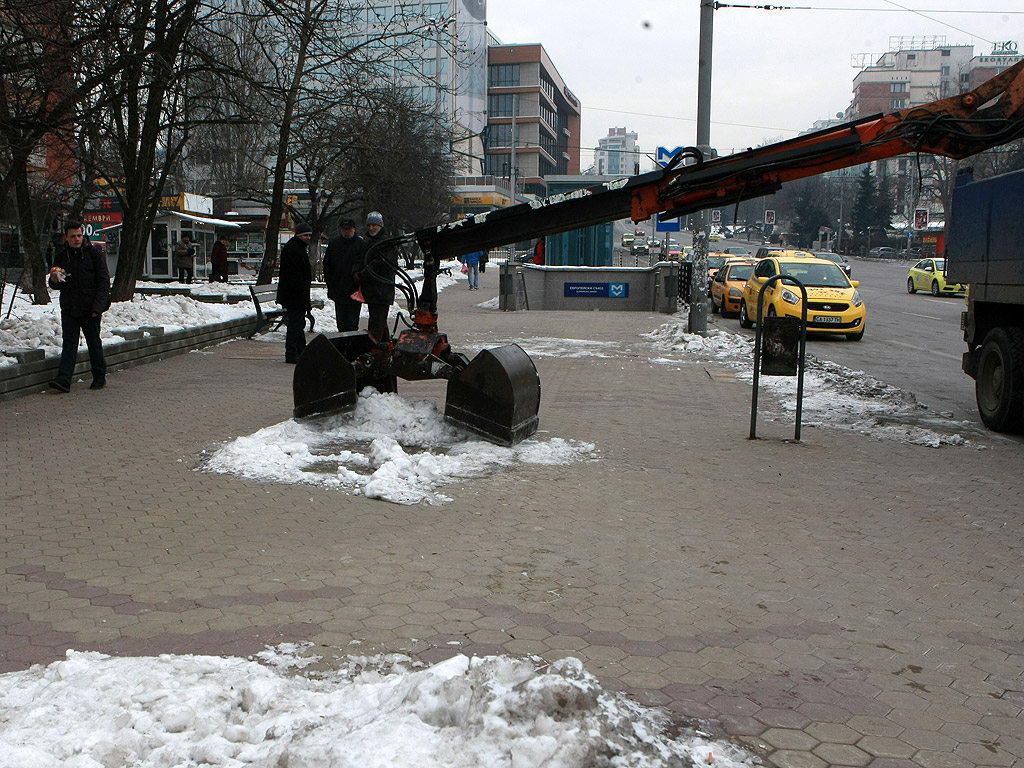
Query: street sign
769, 217
666, 225
666, 155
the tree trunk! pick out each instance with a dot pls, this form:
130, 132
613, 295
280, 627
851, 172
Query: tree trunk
35, 267
266, 273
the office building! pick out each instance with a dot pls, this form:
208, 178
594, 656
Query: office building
527, 99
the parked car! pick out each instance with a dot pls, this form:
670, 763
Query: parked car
838, 258
834, 305
715, 262
882, 252
727, 287
737, 250
928, 275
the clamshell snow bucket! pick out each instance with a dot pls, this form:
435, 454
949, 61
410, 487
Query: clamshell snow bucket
497, 395
326, 379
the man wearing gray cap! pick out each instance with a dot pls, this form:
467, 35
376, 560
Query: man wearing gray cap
375, 272
343, 252
293, 283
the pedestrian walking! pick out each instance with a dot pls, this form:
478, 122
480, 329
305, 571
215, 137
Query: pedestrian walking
340, 262
484, 258
375, 273
472, 262
219, 260
80, 274
293, 285
184, 258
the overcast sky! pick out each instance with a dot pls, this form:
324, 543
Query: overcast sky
775, 72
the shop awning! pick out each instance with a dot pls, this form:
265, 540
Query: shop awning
208, 220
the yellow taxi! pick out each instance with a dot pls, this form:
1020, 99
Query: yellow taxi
727, 287
929, 275
834, 304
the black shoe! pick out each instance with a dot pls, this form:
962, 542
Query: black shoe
60, 386
99, 383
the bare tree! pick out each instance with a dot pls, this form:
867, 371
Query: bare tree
44, 81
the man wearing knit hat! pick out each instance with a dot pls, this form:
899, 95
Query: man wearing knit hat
375, 272
293, 283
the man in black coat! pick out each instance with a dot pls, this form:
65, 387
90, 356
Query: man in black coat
375, 272
80, 273
293, 282
343, 254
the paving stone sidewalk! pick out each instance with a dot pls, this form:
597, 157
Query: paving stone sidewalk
843, 601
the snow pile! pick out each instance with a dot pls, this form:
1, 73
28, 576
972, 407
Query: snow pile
835, 397
92, 710
386, 448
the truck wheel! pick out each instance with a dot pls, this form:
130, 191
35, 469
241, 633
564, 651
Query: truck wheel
745, 321
910, 285
999, 387
935, 288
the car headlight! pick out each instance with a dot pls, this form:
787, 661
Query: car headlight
735, 293
857, 300
789, 297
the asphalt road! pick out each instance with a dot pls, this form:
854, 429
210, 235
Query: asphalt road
913, 342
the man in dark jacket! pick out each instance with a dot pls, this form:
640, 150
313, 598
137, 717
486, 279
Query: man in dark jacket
80, 274
293, 282
219, 260
343, 254
375, 273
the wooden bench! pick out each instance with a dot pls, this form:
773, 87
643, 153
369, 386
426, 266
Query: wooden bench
264, 294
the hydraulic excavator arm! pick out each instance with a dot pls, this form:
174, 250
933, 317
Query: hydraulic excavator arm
957, 127
497, 394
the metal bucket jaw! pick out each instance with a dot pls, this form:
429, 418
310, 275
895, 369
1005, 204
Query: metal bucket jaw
324, 380
496, 396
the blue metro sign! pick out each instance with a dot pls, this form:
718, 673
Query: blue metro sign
666, 155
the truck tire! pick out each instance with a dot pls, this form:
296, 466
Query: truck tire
999, 387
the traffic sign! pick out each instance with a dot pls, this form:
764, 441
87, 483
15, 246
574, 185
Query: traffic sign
666, 225
665, 155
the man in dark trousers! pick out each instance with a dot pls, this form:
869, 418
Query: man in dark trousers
375, 273
80, 274
294, 279
219, 260
340, 260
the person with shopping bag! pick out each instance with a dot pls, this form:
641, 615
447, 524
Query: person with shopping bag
471, 269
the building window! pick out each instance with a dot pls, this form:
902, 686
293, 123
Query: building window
897, 88
500, 135
897, 104
500, 104
549, 116
503, 74
945, 52
945, 71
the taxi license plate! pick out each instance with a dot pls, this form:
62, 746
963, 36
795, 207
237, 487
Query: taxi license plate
827, 319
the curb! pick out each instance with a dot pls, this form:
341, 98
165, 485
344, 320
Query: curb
28, 376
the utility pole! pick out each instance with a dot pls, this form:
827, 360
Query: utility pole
698, 322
